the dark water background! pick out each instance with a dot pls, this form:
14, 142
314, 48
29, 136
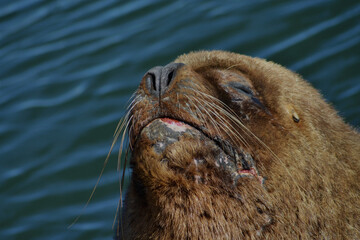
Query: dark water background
67, 69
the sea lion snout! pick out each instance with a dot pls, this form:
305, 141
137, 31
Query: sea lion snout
158, 79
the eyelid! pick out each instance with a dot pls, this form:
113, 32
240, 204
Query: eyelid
241, 87
245, 89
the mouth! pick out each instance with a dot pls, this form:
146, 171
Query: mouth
165, 132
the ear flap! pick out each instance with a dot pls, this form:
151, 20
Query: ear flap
292, 113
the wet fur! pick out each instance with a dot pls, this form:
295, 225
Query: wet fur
312, 165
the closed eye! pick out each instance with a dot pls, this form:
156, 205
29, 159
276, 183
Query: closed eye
241, 88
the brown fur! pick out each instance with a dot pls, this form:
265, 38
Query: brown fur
312, 167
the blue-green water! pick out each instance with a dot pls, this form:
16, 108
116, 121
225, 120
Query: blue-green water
67, 69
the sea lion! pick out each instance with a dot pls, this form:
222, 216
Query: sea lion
226, 146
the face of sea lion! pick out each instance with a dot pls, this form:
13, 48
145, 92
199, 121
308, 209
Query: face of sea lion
226, 146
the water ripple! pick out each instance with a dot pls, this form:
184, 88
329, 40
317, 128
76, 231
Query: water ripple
317, 29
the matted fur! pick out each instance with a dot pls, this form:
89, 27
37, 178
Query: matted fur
308, 155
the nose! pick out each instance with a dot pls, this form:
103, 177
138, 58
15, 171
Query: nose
158, 79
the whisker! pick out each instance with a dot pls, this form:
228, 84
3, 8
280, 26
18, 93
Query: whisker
198, 110
214, 107
214, 123
130, 133
134, 97
232, 116
235, 65
120, 203
122, 142
235, 118
119, 126
225, 123
99, 177
124, 121
229, 111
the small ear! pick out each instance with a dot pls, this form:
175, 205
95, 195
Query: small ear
290, 109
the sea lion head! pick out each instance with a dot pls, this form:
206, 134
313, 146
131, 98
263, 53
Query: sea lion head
225, 146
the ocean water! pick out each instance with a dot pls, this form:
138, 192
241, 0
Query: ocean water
68, 68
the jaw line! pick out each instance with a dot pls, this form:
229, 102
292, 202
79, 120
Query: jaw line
238, 165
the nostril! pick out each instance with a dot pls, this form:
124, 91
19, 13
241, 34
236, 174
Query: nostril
150, 79
169, 73
170, 77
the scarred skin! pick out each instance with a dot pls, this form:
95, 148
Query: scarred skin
239, 148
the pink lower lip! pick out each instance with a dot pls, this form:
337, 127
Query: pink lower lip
172, 121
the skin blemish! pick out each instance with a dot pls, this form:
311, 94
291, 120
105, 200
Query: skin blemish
251, 173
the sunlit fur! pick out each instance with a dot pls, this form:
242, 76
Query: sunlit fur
308, 155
